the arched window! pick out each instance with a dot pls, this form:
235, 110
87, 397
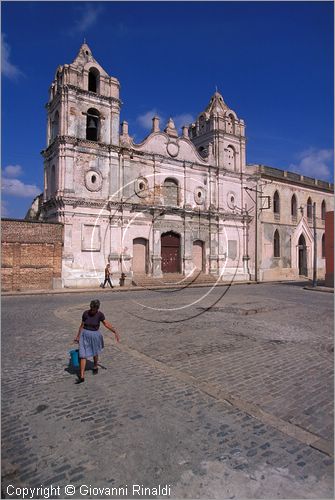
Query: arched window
276, 203
230, 158
276, 244
170, 192
323, 246
93, 80
92, 125
309, 208
54, 126
323, 210
294, 206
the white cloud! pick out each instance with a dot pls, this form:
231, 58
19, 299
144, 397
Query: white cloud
183, 119
15, 187
314, 163
12, 171
88, 17
7, 68
145, 120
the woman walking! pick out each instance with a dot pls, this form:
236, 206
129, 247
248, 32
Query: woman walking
90, 339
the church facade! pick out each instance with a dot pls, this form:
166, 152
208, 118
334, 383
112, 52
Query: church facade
172, 204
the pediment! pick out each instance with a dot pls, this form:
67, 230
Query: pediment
180, 148
302, 228
86, 60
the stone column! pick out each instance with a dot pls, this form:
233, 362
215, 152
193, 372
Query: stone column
156, 254
188, 250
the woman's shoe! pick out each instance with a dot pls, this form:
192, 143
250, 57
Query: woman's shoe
80, 380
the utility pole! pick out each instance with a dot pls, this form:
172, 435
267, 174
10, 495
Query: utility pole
315, 246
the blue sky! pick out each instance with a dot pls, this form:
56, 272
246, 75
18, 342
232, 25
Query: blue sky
272, 62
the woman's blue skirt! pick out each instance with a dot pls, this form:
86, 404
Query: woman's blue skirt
91, 343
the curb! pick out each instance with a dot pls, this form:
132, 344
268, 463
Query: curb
319, 289
139, 288
121, 289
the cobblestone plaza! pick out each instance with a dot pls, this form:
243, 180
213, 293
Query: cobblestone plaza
212, 393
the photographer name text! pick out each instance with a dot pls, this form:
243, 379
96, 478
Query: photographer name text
88, 490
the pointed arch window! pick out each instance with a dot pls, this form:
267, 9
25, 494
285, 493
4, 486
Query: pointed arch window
276, 203
309, 208
294, 207
93, 80
323, 246
92, 125
276, 244
323, 210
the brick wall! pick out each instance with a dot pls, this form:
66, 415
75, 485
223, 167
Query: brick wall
329, 248
31, 256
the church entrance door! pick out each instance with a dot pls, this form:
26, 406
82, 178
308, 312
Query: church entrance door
302, 256
170, 248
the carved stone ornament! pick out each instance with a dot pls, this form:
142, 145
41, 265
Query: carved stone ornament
93, 180
173, 149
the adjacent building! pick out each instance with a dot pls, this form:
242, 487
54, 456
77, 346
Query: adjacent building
286, 225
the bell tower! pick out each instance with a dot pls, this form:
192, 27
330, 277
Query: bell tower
83, 120
81, 164
219, 127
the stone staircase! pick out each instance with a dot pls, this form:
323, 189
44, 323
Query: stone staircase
171, 279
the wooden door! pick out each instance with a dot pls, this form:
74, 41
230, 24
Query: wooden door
302, 256
170, 248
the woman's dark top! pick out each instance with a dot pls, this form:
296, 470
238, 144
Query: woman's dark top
92, 322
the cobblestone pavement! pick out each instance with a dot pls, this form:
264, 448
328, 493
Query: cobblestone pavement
224, 393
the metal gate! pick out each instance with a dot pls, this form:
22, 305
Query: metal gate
170, 248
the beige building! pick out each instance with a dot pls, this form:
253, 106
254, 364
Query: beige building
285, 224
177, 203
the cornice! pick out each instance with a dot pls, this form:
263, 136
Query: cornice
76, 141
87, 93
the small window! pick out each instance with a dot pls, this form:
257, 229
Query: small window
276, 244
323, 246
276, 203
323, 210
294, 206
309, 208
